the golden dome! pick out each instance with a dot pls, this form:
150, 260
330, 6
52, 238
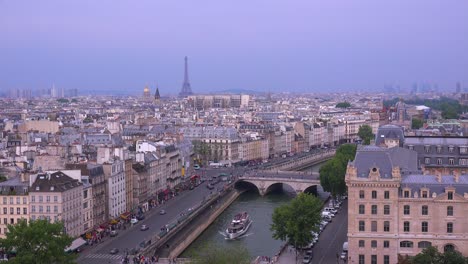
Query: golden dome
146, 90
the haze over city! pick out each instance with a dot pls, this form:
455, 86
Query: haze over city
298, 46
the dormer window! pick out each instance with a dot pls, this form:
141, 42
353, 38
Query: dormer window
450, 149
406, 194
37, 188
450, 195
424, 194
439, 149
427, 148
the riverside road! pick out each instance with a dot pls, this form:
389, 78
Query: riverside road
132, 236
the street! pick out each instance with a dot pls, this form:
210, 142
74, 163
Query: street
331, 240
131, 237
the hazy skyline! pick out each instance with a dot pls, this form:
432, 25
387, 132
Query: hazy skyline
268, 45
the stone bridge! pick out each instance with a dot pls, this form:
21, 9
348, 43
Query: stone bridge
266, 183
300, 161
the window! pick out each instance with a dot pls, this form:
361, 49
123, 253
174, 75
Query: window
361, 259
362, 243
33, 198
5, 221
424, 194
424, 210
12, 221
439, 149
11, 200
373, 243
18, 200
33, 208
4, 200
450, 195
40, 209
362, 226
424, 244
406, 244
374, 226
411, 147
406, 210
48, 209
55, 198
361, 194
451, 161
386, 259
449, 248
386, 226
362, 209
406, 226
12, 210
449, 228
5, 210
374, 209
48, 198
374, 194
406, 194
427, 148
25, 210
451, 148
439, 161
24, 200
449, 210
424, 227
386, 244
386, 209
386, 195
55, 209
373, 259
18, 210
463, 150
40, 198
427, 160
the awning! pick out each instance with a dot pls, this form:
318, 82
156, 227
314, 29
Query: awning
77, 243
113, 222
166, 191
125, 215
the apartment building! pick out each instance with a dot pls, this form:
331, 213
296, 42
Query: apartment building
116, 195
14, 201
253, 148
394, 209
440, 154
57, 197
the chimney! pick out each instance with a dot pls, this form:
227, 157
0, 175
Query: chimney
456, 175
439, 176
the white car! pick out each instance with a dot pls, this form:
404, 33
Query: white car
134, 221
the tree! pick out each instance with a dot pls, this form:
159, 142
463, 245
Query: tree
332, 173
214, 254
416, 123
38, 241
431, 255
294, 222
3, 178
365, 133
201, 149
343, 105
63, 100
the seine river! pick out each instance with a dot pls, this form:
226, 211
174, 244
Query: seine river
258, 240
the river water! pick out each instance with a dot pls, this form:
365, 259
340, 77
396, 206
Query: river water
258, 239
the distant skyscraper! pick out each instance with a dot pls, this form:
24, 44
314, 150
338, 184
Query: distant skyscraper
186, 89
458, 89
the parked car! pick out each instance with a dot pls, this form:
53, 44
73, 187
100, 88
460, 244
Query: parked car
134, 221
144, 227
210, 186
344, 255
162, 212
307, 259
114, 251
113, 233
196, 167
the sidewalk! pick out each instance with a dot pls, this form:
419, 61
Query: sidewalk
288, 256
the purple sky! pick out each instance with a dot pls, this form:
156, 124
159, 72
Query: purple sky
277, 45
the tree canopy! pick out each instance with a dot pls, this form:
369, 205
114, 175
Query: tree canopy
38, 241
343, 105
365, 133
416, 123
294, 222
332, 173
215, 254
450, 108
63, 100
431, 255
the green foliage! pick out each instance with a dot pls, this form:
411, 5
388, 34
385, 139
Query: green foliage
63, 100
365, 133
416, 123
332, 173
37, 242
214, 254
3, 178
88, 119
343, 105
293, 222
74, 100
450, 108
202, 150
431, 255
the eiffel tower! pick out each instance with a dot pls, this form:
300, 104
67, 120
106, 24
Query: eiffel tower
186, 89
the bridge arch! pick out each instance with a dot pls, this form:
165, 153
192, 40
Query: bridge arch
246, 186
279, 185
312, 189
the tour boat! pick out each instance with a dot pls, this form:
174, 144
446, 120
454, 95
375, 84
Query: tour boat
238, 226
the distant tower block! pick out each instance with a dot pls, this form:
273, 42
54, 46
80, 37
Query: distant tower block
186, 89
